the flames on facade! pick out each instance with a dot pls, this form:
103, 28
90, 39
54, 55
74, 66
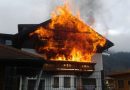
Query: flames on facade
67, 38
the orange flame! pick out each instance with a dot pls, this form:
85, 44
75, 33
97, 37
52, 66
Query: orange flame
67, 38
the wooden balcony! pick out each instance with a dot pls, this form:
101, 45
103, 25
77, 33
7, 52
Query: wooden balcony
68, 67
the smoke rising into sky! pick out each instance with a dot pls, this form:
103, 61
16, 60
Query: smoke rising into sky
109, 17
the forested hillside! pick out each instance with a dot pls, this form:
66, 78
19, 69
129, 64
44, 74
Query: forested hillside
116, 62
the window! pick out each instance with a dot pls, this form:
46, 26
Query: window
56, 82
8, 42
66, 82
128, 82
2, 41
75, 81
120, 83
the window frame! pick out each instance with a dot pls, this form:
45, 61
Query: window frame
120, 83
55, 83
67, 82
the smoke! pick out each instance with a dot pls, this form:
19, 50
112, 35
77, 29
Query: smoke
88, 9
91, 14
108, 17
27, 11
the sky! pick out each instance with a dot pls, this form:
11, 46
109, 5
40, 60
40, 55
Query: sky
111, 18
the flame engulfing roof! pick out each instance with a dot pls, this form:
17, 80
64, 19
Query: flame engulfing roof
24, 31
66, 37
30, 28
58, 42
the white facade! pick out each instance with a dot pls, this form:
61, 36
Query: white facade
49, 79
97, 58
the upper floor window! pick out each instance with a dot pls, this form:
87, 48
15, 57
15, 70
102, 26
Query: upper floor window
8, 42
2, 41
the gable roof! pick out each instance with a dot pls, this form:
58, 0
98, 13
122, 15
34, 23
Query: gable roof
26, 29
13, 56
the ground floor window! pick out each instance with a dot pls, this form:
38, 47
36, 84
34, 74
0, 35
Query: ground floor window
67, 82
56, 82
128, 82
120, 84
75, 82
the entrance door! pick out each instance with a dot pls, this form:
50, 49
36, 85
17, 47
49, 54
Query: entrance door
89, 83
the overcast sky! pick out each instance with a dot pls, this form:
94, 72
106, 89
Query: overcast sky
111, 17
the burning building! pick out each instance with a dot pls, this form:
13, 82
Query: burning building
72, 51
61, 73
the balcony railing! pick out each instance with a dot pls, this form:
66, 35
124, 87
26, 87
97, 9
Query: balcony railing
68, 66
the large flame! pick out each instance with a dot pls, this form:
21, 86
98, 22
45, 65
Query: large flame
68, 38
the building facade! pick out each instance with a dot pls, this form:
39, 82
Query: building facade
118, 81
58, 80
25, 69
68, 80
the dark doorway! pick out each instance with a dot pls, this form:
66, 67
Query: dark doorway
32, 82
89, 83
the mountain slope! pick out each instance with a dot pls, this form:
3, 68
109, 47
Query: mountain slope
116, 62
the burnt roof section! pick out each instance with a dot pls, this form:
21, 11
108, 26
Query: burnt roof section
100, 49
13, 56
26, 29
